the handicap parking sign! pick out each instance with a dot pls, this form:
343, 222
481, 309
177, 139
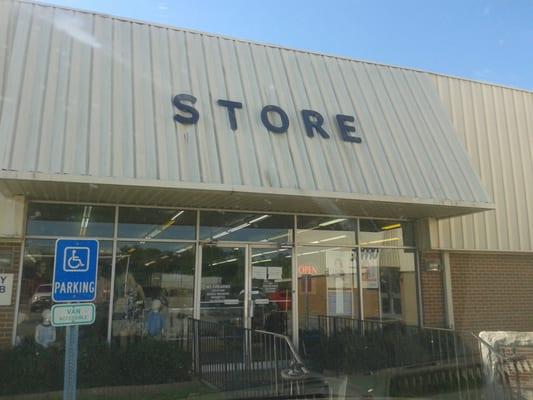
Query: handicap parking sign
75, 270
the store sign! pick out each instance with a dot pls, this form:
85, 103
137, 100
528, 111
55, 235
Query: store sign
274, 118
217, 293
73, 314
6, 289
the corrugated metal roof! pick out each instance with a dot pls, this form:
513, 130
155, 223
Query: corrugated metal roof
89, 95
495, 125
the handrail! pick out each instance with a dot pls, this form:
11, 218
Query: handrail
295, 354
477, 367
246, 362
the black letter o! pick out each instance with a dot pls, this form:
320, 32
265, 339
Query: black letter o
266, 122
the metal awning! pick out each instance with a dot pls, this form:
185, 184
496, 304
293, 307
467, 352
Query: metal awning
133, 192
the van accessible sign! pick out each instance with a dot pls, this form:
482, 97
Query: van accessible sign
73, 314
273, 117
75, 270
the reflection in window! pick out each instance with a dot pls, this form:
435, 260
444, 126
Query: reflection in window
222, 295
388, 281
272, 289
385, 233
156, 223
230, 226
45, 219
327, 283
326, 231
153, 290
36, 295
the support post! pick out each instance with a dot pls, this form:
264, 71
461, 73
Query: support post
71, 363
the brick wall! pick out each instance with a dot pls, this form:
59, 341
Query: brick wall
7, 313
432, 291
492, 291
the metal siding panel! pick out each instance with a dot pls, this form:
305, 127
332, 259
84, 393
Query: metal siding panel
15, 78
253, 101
298, 144
457, 162
523, 115
168, 163
414, 132
243, 136
28, 126
344, 166
314, 101
209, 157
77, 117
354, 168
493, 123
446, 186
187, 144
297, 85
101, 113
8, 16
122, 122
225, 137
283, 167
146, 165
518, 201
404, 139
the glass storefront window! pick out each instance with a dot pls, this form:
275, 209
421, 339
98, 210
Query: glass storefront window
156, 223
385, 233
326, 231
231, 226
36, 292
154, 285
73, 220
327, 283
388, 280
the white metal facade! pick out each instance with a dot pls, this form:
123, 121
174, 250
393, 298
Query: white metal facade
69, 77
89, 96
495, 124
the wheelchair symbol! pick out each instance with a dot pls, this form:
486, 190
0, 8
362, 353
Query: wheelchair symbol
76, 259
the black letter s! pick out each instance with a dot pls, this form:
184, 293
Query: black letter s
178, 103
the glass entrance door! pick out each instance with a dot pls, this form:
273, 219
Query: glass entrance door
222, 295
247, 286
271, 289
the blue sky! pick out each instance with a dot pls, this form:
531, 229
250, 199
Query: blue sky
483, 40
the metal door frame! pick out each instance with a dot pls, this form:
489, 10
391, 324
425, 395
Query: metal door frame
247, 322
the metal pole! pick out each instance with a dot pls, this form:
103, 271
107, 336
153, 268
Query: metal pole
71, 363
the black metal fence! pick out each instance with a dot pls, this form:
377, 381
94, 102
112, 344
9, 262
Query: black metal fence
416, 361
249, 363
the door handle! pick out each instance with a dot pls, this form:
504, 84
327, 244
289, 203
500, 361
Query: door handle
251, 309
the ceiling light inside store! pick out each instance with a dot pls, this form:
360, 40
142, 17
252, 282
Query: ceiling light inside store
329, 239
331, 222
381, 241
253, 221
222, 262
177, 215
262, 261
85, 220
183, 250
388, 227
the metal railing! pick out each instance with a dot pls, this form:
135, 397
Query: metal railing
248, 363
417, 361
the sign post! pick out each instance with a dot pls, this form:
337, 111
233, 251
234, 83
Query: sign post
75, 278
